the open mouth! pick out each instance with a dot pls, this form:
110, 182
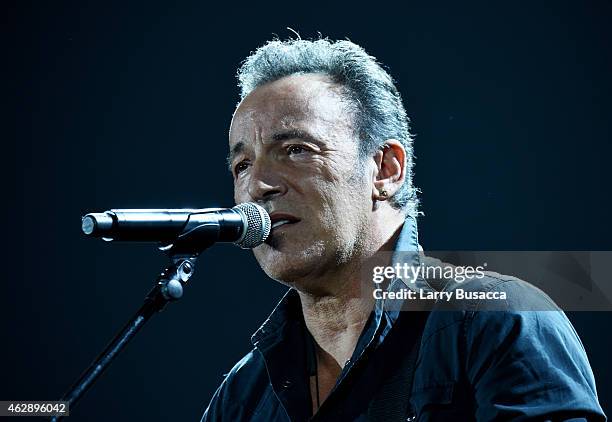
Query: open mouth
280, 223
282, 219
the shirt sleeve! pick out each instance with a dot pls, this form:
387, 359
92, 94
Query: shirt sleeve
529, 365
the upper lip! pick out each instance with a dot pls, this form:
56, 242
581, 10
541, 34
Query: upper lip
278, 216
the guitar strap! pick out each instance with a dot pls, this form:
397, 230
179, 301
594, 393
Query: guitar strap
392, 402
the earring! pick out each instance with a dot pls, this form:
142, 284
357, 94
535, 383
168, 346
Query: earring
382, 192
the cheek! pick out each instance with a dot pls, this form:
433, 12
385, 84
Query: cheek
329, 170
335, 189
325, 178
240, 192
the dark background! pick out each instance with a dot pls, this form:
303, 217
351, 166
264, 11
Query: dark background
118, 106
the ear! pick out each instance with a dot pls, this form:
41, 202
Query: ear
390, 170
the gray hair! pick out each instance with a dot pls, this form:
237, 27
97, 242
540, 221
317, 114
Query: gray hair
379, 112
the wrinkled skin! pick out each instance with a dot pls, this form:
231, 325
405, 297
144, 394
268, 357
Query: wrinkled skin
294, 151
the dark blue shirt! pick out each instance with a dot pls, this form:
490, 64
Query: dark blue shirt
473, 363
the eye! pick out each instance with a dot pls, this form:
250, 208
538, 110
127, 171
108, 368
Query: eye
295, 149
240, 167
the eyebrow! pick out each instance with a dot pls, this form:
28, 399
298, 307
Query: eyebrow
277, 137
294, 134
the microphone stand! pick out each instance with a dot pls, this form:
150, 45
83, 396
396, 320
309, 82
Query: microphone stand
168, 287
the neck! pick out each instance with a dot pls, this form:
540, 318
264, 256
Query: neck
335, 323
336, 317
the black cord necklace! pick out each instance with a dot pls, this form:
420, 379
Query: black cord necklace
313, 364
317, 378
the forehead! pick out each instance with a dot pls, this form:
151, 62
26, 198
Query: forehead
311, 102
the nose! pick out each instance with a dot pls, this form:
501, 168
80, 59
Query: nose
265, 183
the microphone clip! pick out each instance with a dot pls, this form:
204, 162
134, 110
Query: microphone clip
193, 241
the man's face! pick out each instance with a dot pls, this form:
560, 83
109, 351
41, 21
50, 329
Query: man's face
293, 150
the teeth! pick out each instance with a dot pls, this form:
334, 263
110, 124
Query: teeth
279, 223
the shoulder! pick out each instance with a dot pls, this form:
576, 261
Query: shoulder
469, 298
500, 309
521, 350
473, 290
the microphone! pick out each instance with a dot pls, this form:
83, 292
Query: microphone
247, 225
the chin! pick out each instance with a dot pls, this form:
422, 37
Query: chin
286, 266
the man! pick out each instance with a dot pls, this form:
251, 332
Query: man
321, 140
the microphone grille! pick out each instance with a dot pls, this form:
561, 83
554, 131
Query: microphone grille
257, 225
